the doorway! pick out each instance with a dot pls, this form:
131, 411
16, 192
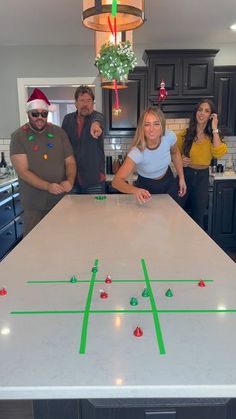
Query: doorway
59, 91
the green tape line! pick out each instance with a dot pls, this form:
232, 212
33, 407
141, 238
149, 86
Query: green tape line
154, 310
84, 331
133, 311
118, 280
49, 282
48, 312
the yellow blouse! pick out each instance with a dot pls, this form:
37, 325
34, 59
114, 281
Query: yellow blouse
202, 153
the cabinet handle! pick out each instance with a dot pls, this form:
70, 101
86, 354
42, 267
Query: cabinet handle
9, 233
8, 207
220, 192
20, 223
176, 84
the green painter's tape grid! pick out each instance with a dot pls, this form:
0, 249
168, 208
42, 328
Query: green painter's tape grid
87, 311
154, 310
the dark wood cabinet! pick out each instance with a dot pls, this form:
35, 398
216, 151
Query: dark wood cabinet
11, 220
225, 98
188, 75
157, 408
224, 213
132, 100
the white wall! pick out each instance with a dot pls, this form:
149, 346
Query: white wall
56, 61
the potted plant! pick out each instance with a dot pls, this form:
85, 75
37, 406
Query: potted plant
114, 62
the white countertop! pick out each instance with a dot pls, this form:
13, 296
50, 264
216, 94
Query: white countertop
225, 176
59, 339
215, 176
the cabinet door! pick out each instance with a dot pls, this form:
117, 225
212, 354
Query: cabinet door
225, 98
6, 211
17, 204
198, 76
132, 101
7, 238
15, 187
19, 224
167, 69
5, 192
224, 213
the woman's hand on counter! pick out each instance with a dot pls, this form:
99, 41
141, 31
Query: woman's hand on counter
142, 195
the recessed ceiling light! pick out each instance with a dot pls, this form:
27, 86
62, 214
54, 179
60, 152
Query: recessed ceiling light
233, 27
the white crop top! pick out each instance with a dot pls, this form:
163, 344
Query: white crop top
154, 163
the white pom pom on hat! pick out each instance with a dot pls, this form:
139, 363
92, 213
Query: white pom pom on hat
38, 100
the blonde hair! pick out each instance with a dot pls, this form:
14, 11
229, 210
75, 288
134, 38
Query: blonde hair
139, 140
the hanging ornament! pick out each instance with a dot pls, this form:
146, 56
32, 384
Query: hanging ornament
162, 91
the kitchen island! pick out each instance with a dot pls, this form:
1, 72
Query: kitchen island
68, 334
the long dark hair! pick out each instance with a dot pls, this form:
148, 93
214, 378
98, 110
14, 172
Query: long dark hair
192, 129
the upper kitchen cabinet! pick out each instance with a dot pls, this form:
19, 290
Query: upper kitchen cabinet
132, 101
225, 98
188, 75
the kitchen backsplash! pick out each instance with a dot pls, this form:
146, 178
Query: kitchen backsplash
117, 146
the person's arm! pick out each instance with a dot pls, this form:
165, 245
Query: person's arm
20, 164
215, 132
177, 160
119, 181
70, 165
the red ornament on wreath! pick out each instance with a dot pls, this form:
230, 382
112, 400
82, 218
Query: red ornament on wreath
162, 91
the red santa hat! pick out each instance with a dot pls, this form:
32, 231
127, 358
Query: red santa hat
38, 100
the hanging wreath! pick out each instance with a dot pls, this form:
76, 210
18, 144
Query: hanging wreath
114, 62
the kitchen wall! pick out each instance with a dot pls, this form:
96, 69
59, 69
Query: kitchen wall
73, 61
116, 146
120, 146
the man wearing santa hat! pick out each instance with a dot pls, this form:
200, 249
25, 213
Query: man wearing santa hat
42, 156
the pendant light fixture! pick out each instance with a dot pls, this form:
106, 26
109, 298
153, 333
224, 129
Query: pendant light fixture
129, 14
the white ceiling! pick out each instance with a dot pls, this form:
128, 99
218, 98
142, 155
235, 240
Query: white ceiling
58, 22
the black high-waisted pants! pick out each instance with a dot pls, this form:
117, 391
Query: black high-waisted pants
197, 182
167, 184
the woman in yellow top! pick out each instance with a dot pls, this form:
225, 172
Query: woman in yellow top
199, 144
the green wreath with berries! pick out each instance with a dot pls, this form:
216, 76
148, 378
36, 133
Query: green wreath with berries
114, 62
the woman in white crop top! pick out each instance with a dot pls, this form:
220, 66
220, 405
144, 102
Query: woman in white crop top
152, 150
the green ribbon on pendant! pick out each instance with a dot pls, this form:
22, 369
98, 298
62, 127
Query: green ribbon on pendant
114, 8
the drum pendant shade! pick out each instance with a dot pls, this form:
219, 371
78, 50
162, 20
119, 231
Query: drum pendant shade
130, 14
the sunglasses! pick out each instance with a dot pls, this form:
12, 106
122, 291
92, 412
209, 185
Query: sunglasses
36, 114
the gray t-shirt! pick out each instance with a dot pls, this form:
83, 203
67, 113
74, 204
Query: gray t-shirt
46, 153
153, 163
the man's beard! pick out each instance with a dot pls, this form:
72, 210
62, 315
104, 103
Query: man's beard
35, 128
84, 112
